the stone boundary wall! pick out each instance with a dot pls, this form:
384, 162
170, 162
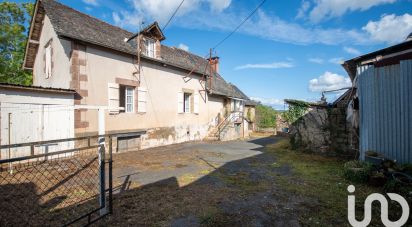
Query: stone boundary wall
324, 130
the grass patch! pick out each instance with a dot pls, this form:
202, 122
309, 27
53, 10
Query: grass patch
215, 217
242, 182
321, 179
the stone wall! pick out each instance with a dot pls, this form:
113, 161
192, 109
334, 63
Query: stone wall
310, 132
343, 136
281, 123
324, 130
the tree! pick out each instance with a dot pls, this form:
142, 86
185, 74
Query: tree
14, 20
265, 116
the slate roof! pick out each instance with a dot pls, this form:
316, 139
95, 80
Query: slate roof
239, 93
73, 24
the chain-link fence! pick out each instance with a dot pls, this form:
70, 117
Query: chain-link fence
55, 188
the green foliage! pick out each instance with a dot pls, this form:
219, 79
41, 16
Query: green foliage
265, 116
296, 110
14, 18
249, 114
357, 171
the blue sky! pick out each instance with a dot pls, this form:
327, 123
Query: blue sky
288, 49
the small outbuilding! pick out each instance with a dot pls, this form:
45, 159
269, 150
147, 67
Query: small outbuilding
384, 80
32, 113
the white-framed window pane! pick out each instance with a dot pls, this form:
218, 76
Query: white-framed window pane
150, 47
186, 103
129, 108
237, 106
129, 99
129, 91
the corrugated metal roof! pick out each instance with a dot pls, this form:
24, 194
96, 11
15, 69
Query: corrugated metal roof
350, 65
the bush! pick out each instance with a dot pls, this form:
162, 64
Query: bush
265, 116
357, 171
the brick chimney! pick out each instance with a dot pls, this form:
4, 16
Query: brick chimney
214, 62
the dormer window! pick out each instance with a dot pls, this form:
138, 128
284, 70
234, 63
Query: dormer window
150, 47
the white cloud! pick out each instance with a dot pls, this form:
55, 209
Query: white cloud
161, 10
268, 101
183, 47
390, 28
351, 50
127, 19
274, 28
201, 14
274, 65
219, 5
316, 60
303, 9
91, 2
337, 61
326, 9
329, 81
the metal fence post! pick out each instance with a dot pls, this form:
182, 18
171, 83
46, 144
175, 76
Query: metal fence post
102, 196
110, 175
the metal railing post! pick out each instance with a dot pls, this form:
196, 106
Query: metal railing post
110, 175
102, 196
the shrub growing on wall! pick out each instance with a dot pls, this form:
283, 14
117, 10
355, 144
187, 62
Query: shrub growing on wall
296, 110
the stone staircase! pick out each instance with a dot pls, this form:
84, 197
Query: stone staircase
218, 132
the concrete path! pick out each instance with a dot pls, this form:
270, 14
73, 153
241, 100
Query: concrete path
156, 164
202, 184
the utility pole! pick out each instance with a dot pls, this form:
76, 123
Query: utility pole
211, 71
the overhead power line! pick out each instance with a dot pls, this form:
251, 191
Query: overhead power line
173, 15
247, 18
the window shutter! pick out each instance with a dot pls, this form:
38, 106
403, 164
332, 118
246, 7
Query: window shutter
196, 103
113, 97
180, 102
142, 99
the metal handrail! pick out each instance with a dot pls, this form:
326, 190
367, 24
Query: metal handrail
231, 116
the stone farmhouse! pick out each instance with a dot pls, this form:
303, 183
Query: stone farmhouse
171, 94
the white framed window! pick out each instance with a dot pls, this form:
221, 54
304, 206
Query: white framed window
48, 60
186, 103
236, 105
150, 47
129, 99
